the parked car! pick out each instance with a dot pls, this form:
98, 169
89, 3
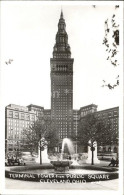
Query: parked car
28, 157
12, 162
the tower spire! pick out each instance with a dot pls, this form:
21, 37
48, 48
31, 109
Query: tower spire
61, 48
61, 16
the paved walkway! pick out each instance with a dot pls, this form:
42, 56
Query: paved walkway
101, 185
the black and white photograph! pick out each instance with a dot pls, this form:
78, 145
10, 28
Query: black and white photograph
61, 97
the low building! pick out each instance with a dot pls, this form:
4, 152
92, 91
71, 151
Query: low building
111, 116
18, 118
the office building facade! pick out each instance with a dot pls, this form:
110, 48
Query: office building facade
18, 118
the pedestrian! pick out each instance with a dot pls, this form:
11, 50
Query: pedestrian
112, 162
69, 157
117, 162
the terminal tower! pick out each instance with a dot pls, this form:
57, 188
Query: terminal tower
62, 82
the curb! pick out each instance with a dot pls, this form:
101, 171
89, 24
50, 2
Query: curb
13, 173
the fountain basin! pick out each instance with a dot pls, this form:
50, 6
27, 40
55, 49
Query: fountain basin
61, 166
41, 173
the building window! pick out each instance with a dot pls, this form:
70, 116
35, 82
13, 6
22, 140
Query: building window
22, 116
16, 115
115, 113
115, 149
10, 114
110, 114
27, 117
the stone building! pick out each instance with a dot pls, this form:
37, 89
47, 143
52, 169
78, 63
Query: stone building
18, 118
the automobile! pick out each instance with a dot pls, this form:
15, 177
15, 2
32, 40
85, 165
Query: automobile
28, 157
6, 162
12, 162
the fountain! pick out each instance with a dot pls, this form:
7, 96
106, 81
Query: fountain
62, 165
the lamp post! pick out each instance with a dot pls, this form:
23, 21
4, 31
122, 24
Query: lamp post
18, 148
40, 154
6, 146
41, 149
42, 144
76, 145
117, 148
92, 148
76, 130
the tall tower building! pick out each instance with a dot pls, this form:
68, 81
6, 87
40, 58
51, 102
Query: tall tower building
62, 82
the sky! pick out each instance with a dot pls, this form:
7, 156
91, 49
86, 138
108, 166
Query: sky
28, 31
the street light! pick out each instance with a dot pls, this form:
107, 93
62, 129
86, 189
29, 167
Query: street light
6, 146
92, 148
42, 144
117, 147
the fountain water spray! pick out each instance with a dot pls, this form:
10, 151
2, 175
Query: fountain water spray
68, 142
70, 149
63, 165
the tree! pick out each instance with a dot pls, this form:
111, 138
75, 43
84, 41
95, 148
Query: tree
42, 127
96, 130
111, 42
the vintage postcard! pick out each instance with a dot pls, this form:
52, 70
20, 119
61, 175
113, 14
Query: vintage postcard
61, 97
